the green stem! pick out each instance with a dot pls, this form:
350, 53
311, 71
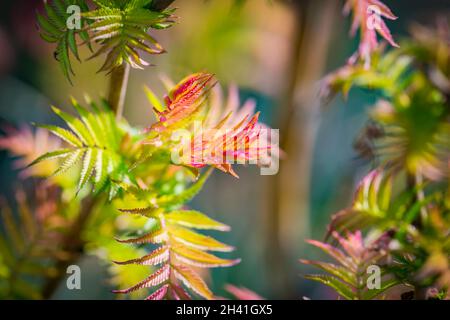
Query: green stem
118, 89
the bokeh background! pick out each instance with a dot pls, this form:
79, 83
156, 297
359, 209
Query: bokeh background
276, 52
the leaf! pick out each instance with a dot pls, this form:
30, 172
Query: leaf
192, 281
367, 16
334, 283
146, 212
158, 294
196, 240
338, 271
91, 123
195, 219
69, 161
179, 293
156, 257
93, 139
64, 134
200, 258
153, 99
53, 29
90, 158
350, 278
51, 155
76, 126
333, 252
121, 30
158, 277
157, 236
386, 285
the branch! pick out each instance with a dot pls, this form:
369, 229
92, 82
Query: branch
118, 89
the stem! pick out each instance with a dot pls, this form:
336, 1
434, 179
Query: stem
118, 89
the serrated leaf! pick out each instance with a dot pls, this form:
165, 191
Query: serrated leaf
158, 294
156, 237
158, 277
385, 285
156, 257
54, 29
64, 134
69, 161
334, 252
192, 281
90, 158
335, 270
76, 126
195, 219
51, 155
146, 212
91, 124
200, 258
334, 283
196, 240
121, 30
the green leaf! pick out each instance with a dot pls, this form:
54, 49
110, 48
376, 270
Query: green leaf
54, 29
385, 285
95, 140
338, 271
334, 283
89, 161
153, 99
195, 219
64, 134
69, 161
51, 155
76, 126
121, 30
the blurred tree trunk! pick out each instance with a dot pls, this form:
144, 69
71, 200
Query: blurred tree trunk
288, 209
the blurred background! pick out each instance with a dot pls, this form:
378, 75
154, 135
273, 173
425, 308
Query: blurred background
276, 52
